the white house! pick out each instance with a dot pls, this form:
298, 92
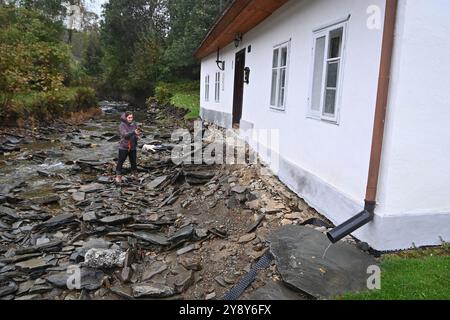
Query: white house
324, 72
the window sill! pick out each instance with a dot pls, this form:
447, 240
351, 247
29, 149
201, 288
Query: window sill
275, 109
312, 117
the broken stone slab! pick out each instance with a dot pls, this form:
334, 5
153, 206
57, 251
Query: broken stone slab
182, 234
273, 207
104, 258
93, 187
239, 189
255, 225
247, 238
122, 291
9, 212
275, 290
8, 288
103, 180
183, 280
59, 220
199, 177
186, 249
155, 268
32, 264
42, 247
152, 290
78, 196
156, 183
191, 263
89, 216
308, 262
90, 279
81, 144
46, 199
157, 239
117, 219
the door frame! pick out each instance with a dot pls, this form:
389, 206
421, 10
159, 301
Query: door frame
238, 93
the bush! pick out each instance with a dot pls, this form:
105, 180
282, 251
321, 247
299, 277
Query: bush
84, 99
163, 94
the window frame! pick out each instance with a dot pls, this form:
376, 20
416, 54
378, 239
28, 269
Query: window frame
217, 88
280, 46
317, 34
207, 88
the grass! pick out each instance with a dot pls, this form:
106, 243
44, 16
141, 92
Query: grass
186, 95
421, 274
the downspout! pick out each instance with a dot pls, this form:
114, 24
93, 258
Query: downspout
367, 214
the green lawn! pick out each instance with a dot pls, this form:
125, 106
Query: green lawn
185, 95
412, 275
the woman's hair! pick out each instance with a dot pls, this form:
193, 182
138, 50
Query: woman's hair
128, 113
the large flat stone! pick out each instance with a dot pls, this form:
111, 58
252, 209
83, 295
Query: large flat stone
275, 291
301, 260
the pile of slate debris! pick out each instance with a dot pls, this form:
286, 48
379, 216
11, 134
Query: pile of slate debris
177, 232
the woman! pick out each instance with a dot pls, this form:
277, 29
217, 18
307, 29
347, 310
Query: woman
130, 134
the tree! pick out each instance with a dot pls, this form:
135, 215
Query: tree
189, 22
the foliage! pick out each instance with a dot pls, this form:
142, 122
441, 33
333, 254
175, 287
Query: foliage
36, 66
162, 94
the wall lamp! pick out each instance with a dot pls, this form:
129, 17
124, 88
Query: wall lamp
237, 39
220, 63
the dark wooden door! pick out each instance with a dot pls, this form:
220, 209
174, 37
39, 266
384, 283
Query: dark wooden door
238, 87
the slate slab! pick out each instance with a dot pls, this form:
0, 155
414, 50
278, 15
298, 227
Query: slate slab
275, 290
301, 260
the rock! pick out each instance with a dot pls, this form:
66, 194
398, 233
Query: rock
201, 233
81, 144
29, 297
46, 199
89, 216
364, 246
220, 280
9, 212
275, 291
104, 258
156, 183
152, 290
93, 187
247, 238
117, 219
41, 241
152, 238
239, 189
78, 196
257, 222
191, 263
103, 180
32, 264
8, 288
58, 220
199, 177
186, 249
90, 279
210, 296
183, 280
123, 291
154, 269
285, 222
293, 216
182, 234
307, 261
274, 207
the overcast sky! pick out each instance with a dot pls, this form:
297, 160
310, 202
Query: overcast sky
95, 5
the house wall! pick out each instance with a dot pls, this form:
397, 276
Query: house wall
327, 163
415, 171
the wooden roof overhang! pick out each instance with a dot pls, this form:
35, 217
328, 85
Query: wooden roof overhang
239, 17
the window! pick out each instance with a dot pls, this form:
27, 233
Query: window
326, 79
207, 88
217, 87
279, 76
